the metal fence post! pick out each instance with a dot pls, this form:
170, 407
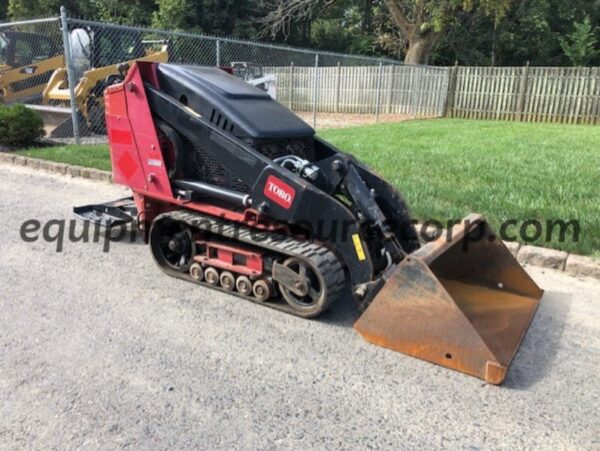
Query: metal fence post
291, 95
390, 90
70, 73
451, 91
414, 78
338, 87
218, 49
522, 92
378, 99
315, 89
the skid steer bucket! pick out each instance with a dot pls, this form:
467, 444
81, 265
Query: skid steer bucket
461, 301
58, 121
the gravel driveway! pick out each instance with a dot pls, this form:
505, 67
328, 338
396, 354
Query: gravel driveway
102, 350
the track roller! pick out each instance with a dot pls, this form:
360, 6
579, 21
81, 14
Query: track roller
262, 290
197, 272
211, 275
244, 285
227, 280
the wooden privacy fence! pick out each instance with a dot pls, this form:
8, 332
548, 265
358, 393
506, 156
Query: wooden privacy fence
417, 91
542, 94
532, 94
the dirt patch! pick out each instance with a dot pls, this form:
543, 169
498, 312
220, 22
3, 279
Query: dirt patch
337, 120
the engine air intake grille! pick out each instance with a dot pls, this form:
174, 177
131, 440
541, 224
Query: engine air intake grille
198, 165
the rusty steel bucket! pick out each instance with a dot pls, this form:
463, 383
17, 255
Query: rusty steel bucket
464, 303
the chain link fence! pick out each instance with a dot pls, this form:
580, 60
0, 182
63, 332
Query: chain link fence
324, 88
30, 53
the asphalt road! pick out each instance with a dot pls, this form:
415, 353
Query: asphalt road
103, 350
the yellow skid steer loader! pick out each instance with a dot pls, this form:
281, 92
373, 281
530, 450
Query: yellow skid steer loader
27, 61
98, 54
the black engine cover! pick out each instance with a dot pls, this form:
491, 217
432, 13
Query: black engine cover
230, 103
239, 109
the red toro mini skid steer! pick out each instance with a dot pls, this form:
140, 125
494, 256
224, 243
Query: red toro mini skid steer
236, 193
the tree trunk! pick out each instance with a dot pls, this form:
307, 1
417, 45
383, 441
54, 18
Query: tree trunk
367, 18
419, 47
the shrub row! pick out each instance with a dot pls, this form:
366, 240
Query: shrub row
20, 126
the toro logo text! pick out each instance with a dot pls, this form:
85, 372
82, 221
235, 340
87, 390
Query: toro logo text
279, 192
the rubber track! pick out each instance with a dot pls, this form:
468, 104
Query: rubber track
319, 256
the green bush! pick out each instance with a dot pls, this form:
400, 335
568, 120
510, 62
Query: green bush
20, 126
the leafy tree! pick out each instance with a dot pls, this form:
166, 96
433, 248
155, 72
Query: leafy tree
420, 23
343, 27
228, 17
132, 12
220, 17
27, 9
3, 9
20, 9
348, 26
580, 46
423, 23
523, 34
175, 15
472, 32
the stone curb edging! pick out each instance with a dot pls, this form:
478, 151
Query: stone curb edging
572, 264
59, 168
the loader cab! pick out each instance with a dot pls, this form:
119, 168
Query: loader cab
246, 70
94, 47
18, 49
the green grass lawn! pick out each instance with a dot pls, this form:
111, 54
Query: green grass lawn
447, 168
90, 156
